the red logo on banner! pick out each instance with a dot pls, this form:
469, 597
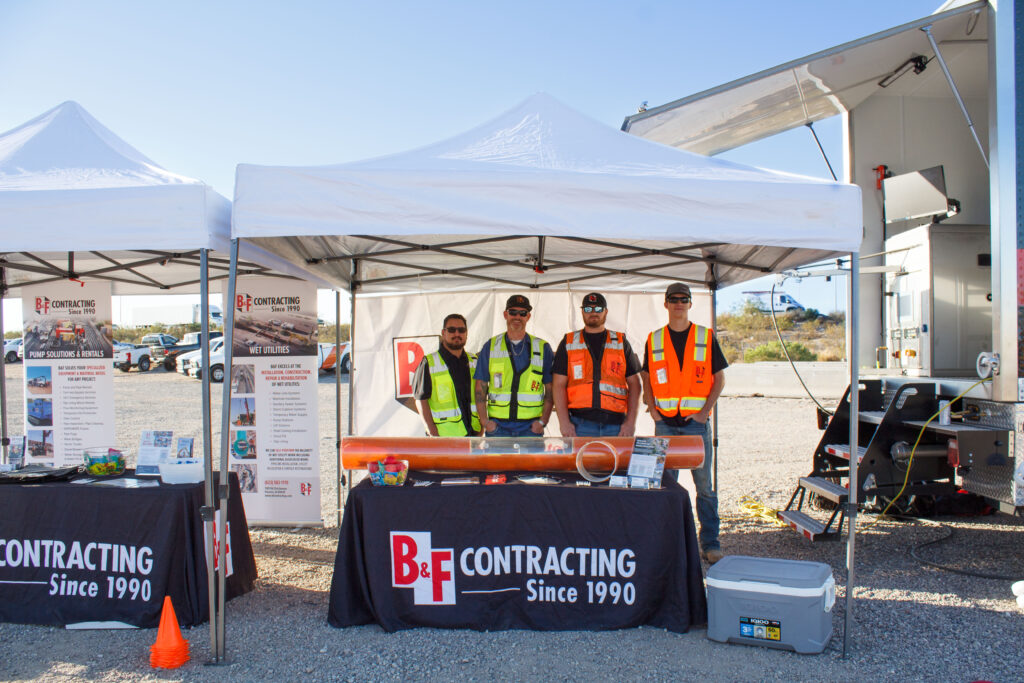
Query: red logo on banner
243, 302
428, 571
305, 488
42, 305
408, 354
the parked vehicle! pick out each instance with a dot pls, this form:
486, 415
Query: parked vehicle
216, 362
328, 357
780, 302
189, 363
158, 344
11, 347
127, 356
190, 342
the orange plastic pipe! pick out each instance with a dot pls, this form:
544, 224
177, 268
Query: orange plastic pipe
548, 454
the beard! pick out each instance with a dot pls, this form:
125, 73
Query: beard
454, 346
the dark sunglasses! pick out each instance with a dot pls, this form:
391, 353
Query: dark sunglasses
518, 312
593, 309
455, 330
678, 299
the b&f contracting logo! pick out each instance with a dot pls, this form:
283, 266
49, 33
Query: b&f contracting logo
243, 303
430, 572
42, 305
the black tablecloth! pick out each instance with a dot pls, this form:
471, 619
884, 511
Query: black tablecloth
82, 552
516, 555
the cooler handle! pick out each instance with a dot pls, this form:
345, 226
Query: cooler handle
830, 594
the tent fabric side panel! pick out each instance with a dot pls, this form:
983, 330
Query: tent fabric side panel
391, 327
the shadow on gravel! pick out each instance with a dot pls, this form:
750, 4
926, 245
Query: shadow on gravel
986, 545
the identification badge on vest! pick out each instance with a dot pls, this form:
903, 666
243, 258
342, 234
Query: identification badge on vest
662, 375
577, 372
497, 380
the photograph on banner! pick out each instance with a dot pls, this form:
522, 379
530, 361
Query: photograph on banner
274, 440
69, 385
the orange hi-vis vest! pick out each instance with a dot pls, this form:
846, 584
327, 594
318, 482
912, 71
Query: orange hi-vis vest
612, 385
678, 391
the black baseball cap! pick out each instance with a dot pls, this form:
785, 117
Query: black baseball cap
677, 288
518, 301
594, 299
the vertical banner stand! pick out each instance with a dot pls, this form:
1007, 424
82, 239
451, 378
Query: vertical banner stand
851, 505
209, 504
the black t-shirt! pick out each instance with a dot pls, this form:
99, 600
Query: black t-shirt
458, 368
679, 339
595, 344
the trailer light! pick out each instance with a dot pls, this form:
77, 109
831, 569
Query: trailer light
953, 453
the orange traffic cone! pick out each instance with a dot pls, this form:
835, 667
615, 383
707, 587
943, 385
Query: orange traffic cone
170, 649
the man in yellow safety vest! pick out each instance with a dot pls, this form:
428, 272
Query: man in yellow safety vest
683, 375
442, 384
513, 377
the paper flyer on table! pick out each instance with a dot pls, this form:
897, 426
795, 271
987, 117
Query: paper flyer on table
154, 448
274, 441
69, 380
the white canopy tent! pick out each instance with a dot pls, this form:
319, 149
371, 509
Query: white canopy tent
541, 197
77, 202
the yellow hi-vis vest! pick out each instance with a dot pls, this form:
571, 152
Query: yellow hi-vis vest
528, 394
444, 401
678, 391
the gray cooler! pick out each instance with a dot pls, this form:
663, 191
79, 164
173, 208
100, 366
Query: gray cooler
784, 604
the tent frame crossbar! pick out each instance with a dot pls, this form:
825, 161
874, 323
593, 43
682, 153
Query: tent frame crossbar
56, 274
536, 264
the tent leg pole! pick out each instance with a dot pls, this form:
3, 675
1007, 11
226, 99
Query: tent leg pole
229, 325
353, 283
714, 417
851, 506
208, 500
4, 437
340, 477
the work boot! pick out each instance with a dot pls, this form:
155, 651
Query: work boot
712, 556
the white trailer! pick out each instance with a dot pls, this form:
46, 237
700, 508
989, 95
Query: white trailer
933, 130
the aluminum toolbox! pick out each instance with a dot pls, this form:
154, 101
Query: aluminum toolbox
784, 604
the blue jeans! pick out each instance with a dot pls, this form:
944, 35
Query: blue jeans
707, 498
513, 428
592, 428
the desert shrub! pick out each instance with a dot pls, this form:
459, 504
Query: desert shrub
732, 353
772, 351
326, 333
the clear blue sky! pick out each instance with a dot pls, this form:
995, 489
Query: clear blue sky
202, 86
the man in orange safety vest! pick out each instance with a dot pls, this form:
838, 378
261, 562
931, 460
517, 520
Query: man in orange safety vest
595, 377
683, 375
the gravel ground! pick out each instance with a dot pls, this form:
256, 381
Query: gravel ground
912, 622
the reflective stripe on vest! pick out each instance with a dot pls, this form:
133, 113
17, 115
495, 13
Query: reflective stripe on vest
678, 391
611, 386
444, 402
528, 394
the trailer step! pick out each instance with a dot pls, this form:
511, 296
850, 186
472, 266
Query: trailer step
825, 488
873, 416
842, 450
804, 524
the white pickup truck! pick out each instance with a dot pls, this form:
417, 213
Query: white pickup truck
127, 356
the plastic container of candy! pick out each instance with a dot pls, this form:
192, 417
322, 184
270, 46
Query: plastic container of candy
388, 472
103, 462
